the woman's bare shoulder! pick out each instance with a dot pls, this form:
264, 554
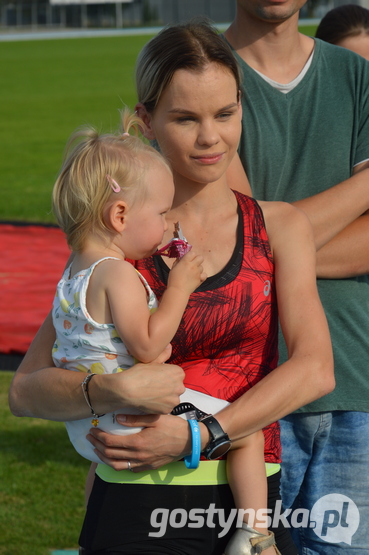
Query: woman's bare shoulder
284, 221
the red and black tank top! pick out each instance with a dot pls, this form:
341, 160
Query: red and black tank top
228, 337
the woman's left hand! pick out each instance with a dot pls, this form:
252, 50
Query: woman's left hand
164, 439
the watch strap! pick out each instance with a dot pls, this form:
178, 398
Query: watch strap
184, 408
218, 437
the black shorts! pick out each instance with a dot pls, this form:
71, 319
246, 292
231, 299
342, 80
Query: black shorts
120, 519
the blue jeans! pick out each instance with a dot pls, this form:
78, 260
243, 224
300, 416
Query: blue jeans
325, 481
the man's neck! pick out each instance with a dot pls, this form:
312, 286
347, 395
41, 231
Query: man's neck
276, 50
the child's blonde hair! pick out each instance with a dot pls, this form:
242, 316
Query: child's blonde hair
90, 167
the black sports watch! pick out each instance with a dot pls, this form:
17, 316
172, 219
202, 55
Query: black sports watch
219, 443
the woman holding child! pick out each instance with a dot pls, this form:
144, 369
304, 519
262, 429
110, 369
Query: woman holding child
255, 256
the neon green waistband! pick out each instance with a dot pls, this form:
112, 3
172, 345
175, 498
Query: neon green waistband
176, 474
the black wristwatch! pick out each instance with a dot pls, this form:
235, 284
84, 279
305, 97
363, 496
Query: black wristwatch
219, 443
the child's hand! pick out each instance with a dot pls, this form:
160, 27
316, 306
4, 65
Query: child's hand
187, 273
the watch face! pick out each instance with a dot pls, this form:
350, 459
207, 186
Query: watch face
219, 443
219, 450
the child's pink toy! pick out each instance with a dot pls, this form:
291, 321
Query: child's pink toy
177, 247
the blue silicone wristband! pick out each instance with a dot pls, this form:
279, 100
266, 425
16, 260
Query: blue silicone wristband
192, 461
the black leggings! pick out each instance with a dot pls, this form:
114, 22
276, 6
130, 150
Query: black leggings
120, 519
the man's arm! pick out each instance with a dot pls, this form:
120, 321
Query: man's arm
347, 255
340, 221
333, 210
329, 212
334, 216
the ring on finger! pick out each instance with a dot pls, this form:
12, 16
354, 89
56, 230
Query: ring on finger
129, 466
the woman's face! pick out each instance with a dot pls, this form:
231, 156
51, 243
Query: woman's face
358, 44
197, 123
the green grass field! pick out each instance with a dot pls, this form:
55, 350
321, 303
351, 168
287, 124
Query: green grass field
48, 89
41, 484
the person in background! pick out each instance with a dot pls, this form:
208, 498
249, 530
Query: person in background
305, 141
346, 26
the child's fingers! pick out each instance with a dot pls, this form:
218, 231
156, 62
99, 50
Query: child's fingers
199, 259
191, 256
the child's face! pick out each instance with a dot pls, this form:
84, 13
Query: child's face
197, 123
145, 221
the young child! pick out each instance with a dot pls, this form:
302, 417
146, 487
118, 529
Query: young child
111, 198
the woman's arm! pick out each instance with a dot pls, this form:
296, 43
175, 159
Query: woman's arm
40, 390
306, 376
308, 373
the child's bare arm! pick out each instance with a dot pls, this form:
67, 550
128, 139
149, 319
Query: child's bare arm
247, 479
248, 482
146, 335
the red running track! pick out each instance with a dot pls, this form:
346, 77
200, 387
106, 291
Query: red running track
32, 260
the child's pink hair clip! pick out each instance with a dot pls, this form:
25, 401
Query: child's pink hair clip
113, 184
177, 247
